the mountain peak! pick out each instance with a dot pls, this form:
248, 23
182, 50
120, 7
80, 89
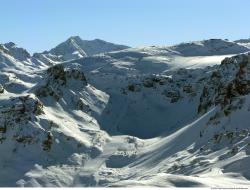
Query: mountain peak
99, 40
247, 40
74, 47
18, 53
10, 45
74, 38
209, 47
243, 42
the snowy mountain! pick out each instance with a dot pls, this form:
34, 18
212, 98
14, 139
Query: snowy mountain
173, 116
75, 47
244, 42
16, 52
209, 47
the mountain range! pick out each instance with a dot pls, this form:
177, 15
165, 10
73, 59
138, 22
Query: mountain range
98, 114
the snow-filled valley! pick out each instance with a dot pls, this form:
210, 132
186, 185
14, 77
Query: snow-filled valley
93, 113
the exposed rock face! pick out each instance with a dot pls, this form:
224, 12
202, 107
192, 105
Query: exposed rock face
173, 95
48, 142
181, 84
81, 105
1, 89
57, 77
20, 110
226, 85
153, 80
16, 114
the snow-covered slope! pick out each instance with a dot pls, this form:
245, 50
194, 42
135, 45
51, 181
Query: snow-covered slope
244, 42
18, 70
75, 47
150, 116
209, 47
18, 53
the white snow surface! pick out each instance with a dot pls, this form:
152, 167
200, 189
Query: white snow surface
75, 47
244, 42
148, 116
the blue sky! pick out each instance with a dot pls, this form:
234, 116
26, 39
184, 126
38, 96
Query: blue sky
38, 25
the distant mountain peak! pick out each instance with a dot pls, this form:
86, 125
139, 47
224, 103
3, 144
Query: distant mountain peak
74, 39
10, 45
247, 40
209, 47
244, 42
74, 47
18, 53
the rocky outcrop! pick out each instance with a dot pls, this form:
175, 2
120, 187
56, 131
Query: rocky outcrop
179, 84
19, 110
1, 89
57, 78
227, 84
15, 115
